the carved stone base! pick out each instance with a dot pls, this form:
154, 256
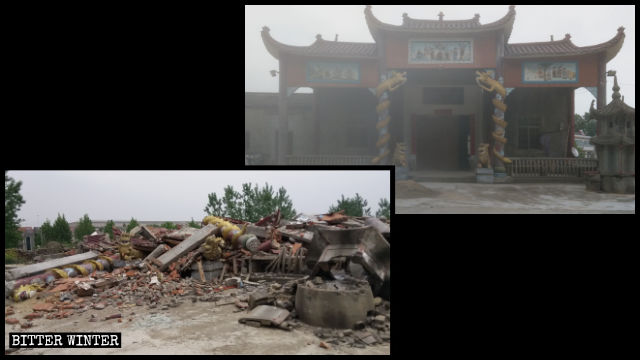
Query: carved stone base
619, 184
484, 176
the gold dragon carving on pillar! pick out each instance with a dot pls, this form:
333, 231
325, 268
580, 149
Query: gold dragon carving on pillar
487, 83
382, 93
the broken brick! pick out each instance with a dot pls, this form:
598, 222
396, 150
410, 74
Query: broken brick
324, 345
114, 316
33, 316
12, 321
44, 307
241, 304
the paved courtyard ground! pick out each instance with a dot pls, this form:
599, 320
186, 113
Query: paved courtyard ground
473, 198
191, 328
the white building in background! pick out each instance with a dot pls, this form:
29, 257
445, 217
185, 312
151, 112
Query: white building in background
584, 142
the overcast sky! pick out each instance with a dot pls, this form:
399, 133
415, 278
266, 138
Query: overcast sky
299, 24
179, 195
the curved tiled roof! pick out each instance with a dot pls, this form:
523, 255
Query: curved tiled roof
564, 47
320, 47
410, 25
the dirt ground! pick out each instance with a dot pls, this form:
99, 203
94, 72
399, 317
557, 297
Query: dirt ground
191, 328
470, 198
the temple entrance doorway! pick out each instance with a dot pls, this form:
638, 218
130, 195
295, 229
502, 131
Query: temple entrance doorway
442, 142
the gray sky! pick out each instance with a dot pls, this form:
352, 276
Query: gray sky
299, 24
179, 195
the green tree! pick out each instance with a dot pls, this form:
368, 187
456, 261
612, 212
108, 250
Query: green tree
108, 228
384, 208
356, 206
169, 225
214, 207
61, 231
46, 232
251, 204
85, 227
194, 224
231, 202
133, 223
586, 124
12, 203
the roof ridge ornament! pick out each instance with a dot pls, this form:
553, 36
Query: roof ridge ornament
319, 37
616, 88
476, 17
567, 36
440, 15
266, 29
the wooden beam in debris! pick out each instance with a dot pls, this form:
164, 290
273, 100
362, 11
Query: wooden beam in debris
185, 246
201, 271
34, 269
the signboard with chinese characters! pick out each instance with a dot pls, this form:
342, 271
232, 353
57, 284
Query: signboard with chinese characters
450, 51
333, 72
549, 72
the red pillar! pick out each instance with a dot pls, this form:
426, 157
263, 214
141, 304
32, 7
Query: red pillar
472, 133
283, 123
572, 120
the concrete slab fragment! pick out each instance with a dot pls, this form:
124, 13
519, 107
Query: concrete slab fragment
135, 230
34, 269
147, 233
266, 315
300, 235
184, 247
260, 231
365, 246
159, 250
374, 222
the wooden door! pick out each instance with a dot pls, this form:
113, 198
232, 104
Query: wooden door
437, 143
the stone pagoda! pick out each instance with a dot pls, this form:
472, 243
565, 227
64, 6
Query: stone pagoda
615, 145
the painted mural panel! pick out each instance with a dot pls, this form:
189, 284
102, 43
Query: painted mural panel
333, 72
549, 72
441, 51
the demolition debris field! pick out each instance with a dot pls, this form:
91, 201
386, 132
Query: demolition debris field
190, 328
311, 285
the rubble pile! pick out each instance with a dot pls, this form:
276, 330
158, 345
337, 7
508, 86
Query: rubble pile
100, 242
266, 264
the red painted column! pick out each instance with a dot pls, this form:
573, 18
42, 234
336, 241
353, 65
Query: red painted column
316, 123
283, 123
572, 120
472, 133
602, 82
413, 134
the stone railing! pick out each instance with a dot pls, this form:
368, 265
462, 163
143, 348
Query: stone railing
551, 167
329, 160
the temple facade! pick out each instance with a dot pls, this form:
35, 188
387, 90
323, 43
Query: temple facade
440, 113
